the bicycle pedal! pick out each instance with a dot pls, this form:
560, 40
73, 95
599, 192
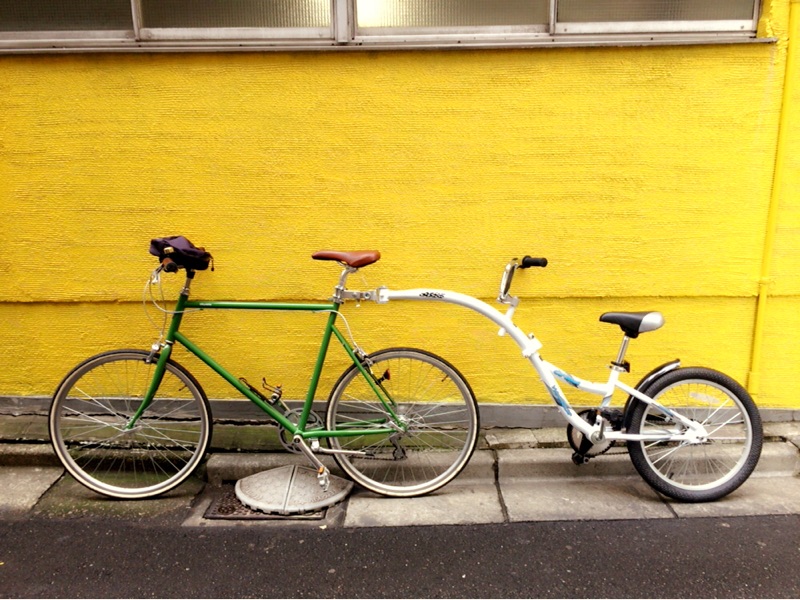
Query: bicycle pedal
579, 459
614, 416
323, 478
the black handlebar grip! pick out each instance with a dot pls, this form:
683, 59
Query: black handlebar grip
529, 261
170, 266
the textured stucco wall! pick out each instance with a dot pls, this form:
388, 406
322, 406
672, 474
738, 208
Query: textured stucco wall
643, 174
781, 349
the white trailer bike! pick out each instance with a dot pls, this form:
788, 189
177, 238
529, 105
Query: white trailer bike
693, 434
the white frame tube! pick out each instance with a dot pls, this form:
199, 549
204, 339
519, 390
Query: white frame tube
549, 372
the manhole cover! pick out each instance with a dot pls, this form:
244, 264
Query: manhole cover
227, 506
290, 490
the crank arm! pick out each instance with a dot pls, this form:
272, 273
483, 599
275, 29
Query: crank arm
323, 474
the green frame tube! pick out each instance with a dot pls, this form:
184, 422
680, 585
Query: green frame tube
161, 364
174, 335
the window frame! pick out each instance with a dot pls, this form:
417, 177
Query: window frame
344, 34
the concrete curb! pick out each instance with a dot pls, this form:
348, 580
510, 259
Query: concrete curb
28, 455
520, 453
777, 459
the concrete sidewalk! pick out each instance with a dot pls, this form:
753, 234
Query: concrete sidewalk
516, 475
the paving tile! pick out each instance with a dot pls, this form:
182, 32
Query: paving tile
455, 504
759, 495
471, 498
23, 486
582, 499
544, 485
557, 463
68, 499
780, 459
538, 484
503, 439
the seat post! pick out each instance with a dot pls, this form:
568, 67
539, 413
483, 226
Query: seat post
620, 364
338, 294
188, 283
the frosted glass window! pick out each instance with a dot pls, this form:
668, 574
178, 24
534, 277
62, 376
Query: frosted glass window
451, 13
65, 15
596, 11
236, 13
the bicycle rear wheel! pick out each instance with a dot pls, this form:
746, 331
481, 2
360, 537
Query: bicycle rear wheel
704, 471
435, 419
92, 408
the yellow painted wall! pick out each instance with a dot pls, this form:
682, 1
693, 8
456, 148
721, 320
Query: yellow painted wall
781, 349
643, 174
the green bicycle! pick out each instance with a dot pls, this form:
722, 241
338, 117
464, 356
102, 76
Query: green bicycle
135, 424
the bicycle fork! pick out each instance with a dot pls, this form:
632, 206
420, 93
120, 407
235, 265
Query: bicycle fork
163, 352
155, 381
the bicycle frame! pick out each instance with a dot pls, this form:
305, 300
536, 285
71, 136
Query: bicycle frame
530, 346
549, 373
174, 335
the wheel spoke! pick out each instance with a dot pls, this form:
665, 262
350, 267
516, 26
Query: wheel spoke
158, 453
435, 409
707, 467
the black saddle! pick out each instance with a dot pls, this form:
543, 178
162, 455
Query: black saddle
634, 323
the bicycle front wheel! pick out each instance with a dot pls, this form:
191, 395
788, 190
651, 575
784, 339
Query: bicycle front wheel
713, 468
415, 442
92, 434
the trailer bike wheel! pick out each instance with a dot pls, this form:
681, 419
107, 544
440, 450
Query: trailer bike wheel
707, 469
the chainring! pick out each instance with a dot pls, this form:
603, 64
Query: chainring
575, 437
314, 420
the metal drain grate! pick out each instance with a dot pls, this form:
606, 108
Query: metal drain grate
227, 506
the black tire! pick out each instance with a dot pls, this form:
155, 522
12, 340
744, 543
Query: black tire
437, 408
704, 471
97, 399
